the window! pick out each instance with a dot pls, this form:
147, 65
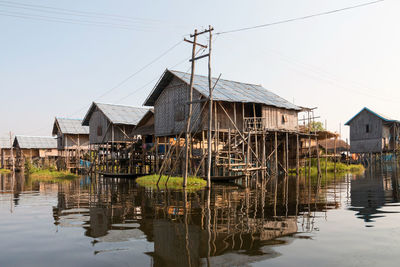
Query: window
284, 119
367, 128
179, 112
99, 131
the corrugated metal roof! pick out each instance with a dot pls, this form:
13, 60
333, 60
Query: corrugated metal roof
225, 90
70, 126
5, 142
117, 114
383, 117
27, 142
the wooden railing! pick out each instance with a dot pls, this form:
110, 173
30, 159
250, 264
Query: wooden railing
254, 124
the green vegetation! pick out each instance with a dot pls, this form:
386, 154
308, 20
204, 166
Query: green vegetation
4, 171
47, 174
316, 126
52, 174
193, 183
340, 167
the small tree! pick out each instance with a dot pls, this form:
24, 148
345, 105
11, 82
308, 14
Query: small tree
316, 126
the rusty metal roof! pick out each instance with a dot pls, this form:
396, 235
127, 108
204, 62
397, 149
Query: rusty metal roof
69, 126
225, 90
117, 114
35, 142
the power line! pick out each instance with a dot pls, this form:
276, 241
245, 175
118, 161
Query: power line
300, 18
157, 77
91, 14
60, 20
64, 20
132, 75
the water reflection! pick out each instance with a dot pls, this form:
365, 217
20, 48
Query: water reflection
227, 225
372, 191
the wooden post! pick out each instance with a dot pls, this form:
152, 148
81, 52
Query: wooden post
157, 162
276, 153
287, 152
229, 150
326, 153
318, 163
263, 155
334, 151
297, 154
210, 111
187, 137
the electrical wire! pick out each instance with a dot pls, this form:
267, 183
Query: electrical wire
76, 12
67, 20
157, 77
300, 18
131, 75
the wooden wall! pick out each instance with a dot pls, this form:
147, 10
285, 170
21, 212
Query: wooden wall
171, 109
171, 112
100, 130
65, 141
362, 141
280, 119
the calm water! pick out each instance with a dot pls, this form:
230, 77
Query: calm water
347, 220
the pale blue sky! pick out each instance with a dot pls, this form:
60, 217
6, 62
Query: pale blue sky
338, 63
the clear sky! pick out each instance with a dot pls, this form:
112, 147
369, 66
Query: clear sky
338, 63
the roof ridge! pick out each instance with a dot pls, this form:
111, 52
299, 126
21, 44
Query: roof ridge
41, 136
118, 105
220, 79
61, 118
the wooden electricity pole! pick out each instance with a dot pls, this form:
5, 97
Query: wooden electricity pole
210, 103
190, 99
187, 136
12, 153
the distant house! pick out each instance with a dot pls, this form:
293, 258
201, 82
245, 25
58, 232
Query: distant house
371, 132
112, 123
5, 153
34, 148
249, 106
71, 134
329, 146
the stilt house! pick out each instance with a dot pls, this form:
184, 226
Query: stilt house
249, 106
112, 123
111, 134
371, 132
5, 153
71, 134
35, 148
245, 118
72, 141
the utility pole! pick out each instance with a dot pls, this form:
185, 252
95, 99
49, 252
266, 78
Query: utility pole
12, 153
210, 103
187, 136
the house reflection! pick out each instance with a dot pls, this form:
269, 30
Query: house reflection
228, 224
371, 192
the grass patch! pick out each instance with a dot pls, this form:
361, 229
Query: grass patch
49, 174
193, 183
5, 171
340, 167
